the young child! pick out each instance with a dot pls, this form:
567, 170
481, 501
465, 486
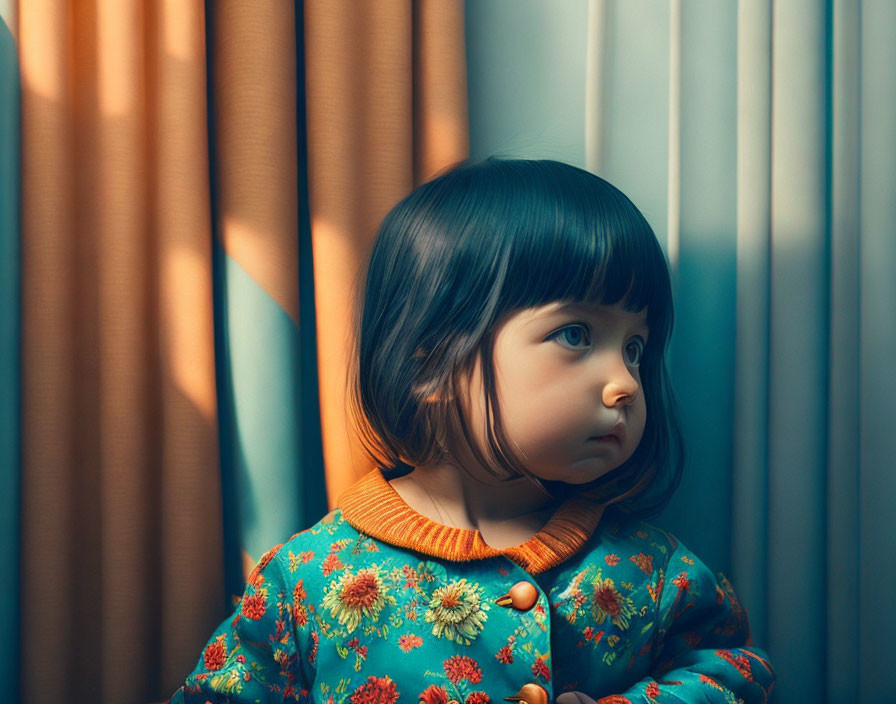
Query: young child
511, 374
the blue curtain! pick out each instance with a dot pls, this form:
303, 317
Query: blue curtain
758, 139
267, 401
9, 358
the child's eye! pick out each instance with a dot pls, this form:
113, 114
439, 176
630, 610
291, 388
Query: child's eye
633, 351
573, 337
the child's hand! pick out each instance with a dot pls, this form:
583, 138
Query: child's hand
574, 698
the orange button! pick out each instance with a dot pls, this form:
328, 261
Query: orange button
522, 596
530, 694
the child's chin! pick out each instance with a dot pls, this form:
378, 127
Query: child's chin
579, 478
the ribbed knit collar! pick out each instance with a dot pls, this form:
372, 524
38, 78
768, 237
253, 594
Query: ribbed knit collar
374, 508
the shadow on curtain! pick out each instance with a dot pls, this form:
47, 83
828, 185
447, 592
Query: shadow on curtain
758, 139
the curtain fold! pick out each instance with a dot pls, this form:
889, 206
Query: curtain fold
750, 444
10, 362
798, 345
121, 514
876, 480
179, 281
784, 281
386, 109
269, 491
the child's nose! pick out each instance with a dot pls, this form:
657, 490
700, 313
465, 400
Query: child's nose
622, 388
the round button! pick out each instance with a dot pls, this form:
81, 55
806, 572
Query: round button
530, 694
522, 596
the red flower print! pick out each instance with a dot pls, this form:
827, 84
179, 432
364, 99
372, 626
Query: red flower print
215, 654
477, 698
741, 662
411, 577
653, 690
315, 640
372, 547
409, 642
539, 669
299, 610
505, 655
682, 582
434, 695
612, 559
254, 606
307, 556
462, 667
298, 592
331, 563
642, 534
607, 599
645, 562
376, 690
361, 592
706, 679
241, 658
614, 699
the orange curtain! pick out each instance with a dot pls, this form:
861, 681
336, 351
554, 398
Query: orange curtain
121, 518
121, 575
386, 110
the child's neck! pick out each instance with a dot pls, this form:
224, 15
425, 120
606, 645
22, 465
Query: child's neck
504, 513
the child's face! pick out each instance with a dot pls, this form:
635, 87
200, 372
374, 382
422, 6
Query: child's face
569, 389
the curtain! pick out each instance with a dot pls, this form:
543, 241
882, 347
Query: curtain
386, 109
9, 355
196, 189
758, 139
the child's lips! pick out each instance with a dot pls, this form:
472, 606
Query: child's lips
616, 434
604, 438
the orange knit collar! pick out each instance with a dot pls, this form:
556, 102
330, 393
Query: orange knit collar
374, 508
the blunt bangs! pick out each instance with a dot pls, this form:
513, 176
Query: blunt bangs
574, 237
466, 249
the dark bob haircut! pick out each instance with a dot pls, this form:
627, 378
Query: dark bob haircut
466, 249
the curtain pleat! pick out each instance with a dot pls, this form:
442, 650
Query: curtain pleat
10, 363
187, 464
256, 195
366, 64
702, 256
877, 339
749, 518
121, 514
161, 278
843, 438
784, 329
797, 390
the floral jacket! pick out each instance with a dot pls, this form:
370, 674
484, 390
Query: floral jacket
377, 604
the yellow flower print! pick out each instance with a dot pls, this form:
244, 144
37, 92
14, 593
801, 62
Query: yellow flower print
457, 611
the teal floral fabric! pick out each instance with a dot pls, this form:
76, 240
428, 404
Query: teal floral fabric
333, 616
